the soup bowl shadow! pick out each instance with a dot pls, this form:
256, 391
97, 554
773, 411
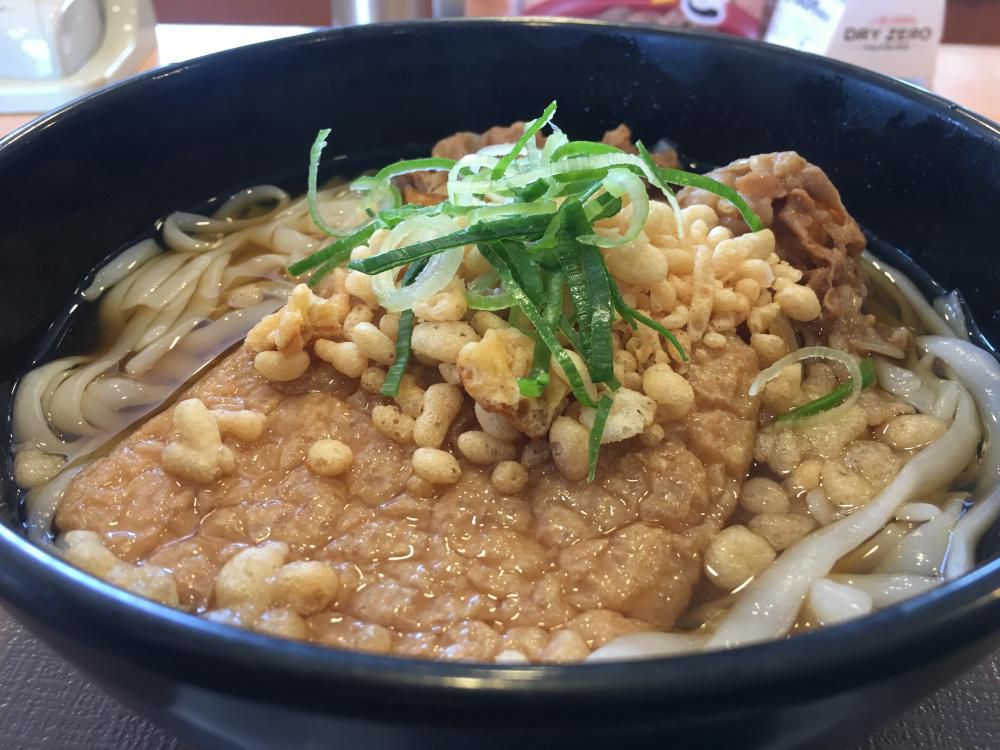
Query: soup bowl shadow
83, 182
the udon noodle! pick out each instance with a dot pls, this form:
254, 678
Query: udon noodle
695, 570
165, 313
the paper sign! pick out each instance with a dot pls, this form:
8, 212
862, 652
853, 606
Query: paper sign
896, 37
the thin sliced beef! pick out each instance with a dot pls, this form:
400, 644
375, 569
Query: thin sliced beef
814, 232
799, 203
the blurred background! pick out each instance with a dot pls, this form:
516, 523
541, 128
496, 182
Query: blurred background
966, 21
52, 51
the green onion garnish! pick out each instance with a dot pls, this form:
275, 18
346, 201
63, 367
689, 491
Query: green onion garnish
430, 164
394, 375
599, 288
633, 316
488, 302
340, 249
531, 212
584, 148
603, 209
546, 332
311, 184
479, 297
832, 399
530, 226
529, 132
533, 192
596, 433
534, 385
325, 268
689, 179
576, 280
589, 292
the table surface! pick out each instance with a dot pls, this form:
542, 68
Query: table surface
45, 703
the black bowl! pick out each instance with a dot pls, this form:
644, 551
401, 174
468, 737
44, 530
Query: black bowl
77, 184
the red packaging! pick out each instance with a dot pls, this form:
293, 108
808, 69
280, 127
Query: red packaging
744, 18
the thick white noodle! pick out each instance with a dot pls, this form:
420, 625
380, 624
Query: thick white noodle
891, 279
887, 589
917, 512
166, 318
949, 307
981, 373
42, 502
768, 607
31, 426
120, 267
150, 276
923, 550
905, 385
648, 646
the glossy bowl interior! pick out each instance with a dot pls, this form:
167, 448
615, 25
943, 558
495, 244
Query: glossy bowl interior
83, 182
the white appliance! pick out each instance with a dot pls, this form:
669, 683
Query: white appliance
52, 51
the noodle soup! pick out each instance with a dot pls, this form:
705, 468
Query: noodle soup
518, 401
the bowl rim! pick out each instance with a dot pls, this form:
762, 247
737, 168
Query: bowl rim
879, 645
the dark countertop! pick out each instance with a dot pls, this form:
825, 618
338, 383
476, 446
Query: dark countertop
45, 704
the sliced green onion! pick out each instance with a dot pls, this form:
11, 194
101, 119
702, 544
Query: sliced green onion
325, 268
597, 165
339, 249
647, 159
689, 179
437, 274
550, 237
430, 164
596, 433
375, 192
832, 399
599, 289
603, 210
656, 175
533, 192
534, 385
391, 217
529, 132
845, 360
554, 299
618, 183
553, 143
584, 148
529, 226
482, 296
525, 269
311, 184
488, 213
570, 333
580, 175
479, 299
633, 316
379, 186
571, 260
572, 189
394, 375
545, 331
589, 290
601, 207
